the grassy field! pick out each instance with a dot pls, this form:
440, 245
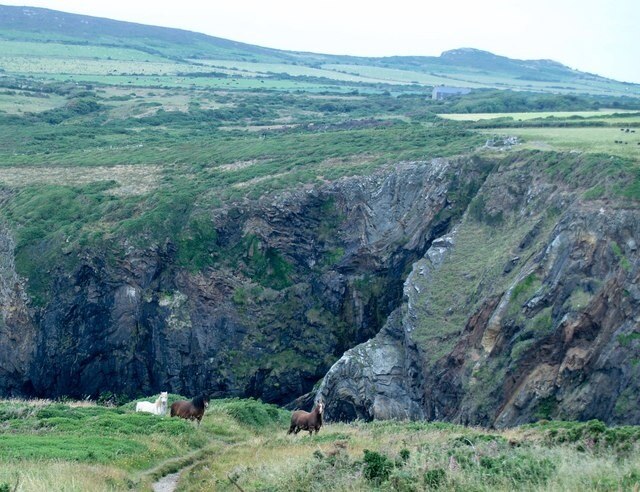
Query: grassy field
537, 115
80, 446
591, 140
256, 69
13, 102
34, 49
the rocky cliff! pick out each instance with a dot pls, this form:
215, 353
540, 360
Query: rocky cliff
489, 290
298, 278
527, 309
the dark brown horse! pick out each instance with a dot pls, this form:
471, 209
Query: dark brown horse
190, 410
301, 420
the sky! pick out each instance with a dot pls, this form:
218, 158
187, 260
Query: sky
597, 36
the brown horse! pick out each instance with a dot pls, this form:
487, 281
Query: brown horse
301, 420
190, 410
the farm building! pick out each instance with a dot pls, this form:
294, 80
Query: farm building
443, 92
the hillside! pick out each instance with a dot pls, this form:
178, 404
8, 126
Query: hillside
242, 444
34, 42
281, 231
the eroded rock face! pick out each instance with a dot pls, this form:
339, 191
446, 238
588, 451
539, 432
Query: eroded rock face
17, 331
519, 304
378, 379
301, 277
527, 310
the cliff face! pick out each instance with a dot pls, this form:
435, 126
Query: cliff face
17, 331
470, 291
527, 309
299, 278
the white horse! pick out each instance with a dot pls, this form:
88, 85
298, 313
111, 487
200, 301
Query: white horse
157, 408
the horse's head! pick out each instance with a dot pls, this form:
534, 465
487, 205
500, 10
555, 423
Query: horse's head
164, 396
321, 407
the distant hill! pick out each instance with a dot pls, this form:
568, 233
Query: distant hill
464, 67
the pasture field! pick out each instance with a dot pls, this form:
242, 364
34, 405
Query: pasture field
153, 80
438, 74
408, 456
598, 140
35, 49
538, 115
67, 66
13, 102
256, 69
393, 75
81, 446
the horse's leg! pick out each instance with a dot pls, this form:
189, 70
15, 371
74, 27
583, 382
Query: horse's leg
291, 428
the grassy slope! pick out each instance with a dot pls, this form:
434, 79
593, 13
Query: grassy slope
81, 446
591, 115
592, 140
77, 45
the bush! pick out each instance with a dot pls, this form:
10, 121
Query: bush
517, 468
253, 412
377, 467
435, 478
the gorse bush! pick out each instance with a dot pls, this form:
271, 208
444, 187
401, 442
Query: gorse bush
252, 412
376, 466
522, 468
434, 479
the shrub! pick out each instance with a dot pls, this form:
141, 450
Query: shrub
517, 468
435, 478
377, 467
253, 412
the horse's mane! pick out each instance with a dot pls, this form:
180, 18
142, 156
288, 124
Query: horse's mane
199, 401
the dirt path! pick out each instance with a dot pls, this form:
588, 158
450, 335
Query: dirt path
168, 483
167, 474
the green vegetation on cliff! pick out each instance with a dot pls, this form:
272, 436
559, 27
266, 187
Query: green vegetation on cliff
148, 192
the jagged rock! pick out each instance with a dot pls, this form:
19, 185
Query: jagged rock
142, 324
375, 380
524, 308
553, 334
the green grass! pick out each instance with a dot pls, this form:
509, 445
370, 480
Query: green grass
392, 75
256, 69
114, 446
592, 140
17, 102
535, 115
35, 49
424, 456
79, 446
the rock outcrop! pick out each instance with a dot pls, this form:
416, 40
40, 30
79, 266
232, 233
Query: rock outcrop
527, 310
298, 278
468, 290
